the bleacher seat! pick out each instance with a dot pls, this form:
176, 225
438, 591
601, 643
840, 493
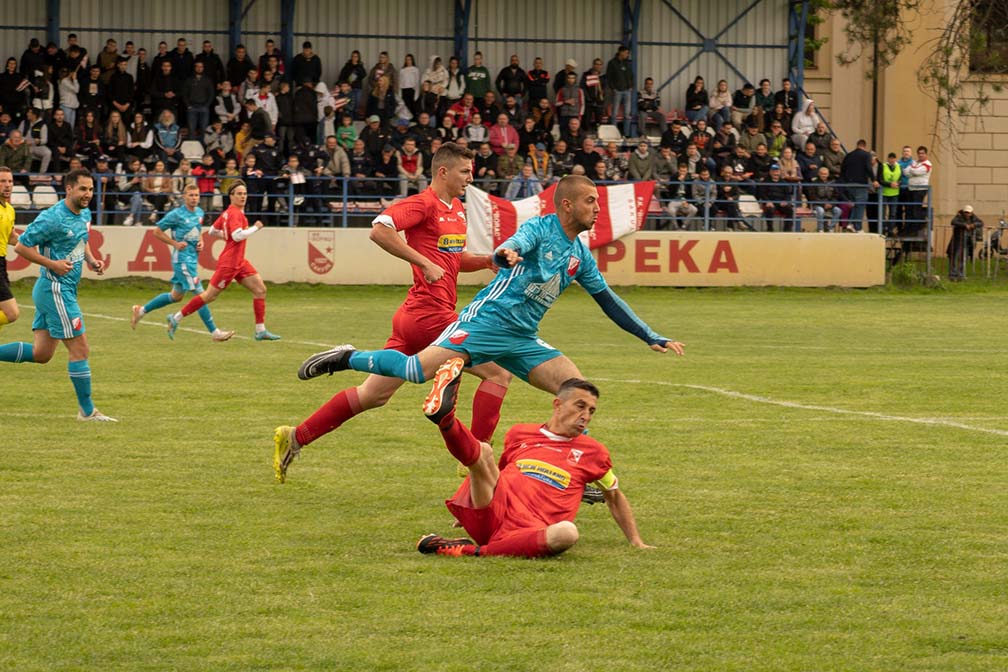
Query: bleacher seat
44, 196
192, 150
20, 198
609, 133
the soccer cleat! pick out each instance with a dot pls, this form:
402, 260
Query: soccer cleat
222, 335
136, 316
172, 326
433, 543
285, 449
592, 495
266, 336
330, 361
96, 416
441, 400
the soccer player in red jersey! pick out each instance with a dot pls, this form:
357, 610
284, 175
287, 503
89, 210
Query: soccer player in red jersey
232, 265
435, 227
525, 504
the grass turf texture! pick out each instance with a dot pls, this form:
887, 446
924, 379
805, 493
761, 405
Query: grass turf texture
788, 539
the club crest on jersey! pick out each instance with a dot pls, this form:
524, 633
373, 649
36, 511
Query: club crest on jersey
572, 266
458, 336
321, 251
575, 456
76, 323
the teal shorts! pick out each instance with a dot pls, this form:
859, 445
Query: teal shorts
516, 353
56, 309
186, 277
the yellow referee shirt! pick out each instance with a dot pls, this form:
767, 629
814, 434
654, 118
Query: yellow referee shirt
6, 226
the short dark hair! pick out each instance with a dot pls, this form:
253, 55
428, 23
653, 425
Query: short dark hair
450, 151
74, 176
862, 143
922, 148
578, 384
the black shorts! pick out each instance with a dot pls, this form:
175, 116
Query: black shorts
5, 293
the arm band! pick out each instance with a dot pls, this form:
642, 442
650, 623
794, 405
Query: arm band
619, 312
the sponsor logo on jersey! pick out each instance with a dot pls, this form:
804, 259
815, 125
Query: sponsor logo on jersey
76, 323
544, 293
545, 472
452, 242
575, 456
548, 255
572, 266
321, 251
458, 336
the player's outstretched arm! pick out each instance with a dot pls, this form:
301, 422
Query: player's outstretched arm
622, 513
619, 312
477, 262
389, 240
505, 257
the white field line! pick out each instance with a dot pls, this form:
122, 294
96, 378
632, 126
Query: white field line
940, 422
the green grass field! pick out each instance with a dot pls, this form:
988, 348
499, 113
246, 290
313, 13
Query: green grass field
824, 476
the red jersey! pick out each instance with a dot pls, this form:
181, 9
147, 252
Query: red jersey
231, 220
544, 475
437, 231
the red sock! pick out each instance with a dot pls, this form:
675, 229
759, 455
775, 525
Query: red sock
259, 307
194, 304
329, 416
527, 543
486, 407
463, 446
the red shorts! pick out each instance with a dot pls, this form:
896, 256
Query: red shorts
481, 524
412, 331
225, 275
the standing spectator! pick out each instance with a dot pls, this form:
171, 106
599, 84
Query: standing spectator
383, 68
919, 177
963, 225
306, 65
537, 83
856, 174
478, 79
164, 90
12, 85
266, 102
35, 132
593, 83
33, 58
619, 76
269, 160
456, 84
434, 84
409, 81
227, 108
107, 59
906, 158
649, 110
560, 80
804, 124
271, 51
61, 141
305, 113
285, 117
697, 101
56, 58
41, 91
213, 67
182, 60
642, 162
787, 97
502, 134
68, 88
570, 101
121, 89
511, 81
743, 105
381, 101
889, 179
562, 159
238, 66
75, 52
160, 57
524, 184
142, 79
198, 96
354, 74
92, 94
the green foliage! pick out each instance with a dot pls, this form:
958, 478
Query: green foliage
788, 538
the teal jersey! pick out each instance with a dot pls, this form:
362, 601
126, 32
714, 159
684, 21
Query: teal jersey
518, 298
60, 234
183, 225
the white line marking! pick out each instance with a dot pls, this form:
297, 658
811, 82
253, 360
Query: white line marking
814, 407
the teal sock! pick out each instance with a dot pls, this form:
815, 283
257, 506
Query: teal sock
80, 376
159, 301
16, 352
207, 318
388, 363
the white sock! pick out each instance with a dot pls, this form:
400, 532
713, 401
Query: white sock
260, 327
142, 312
178, 316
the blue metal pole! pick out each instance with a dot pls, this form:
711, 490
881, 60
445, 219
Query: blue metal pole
53, 21
234, 23
631, 36
463, 10
287, 46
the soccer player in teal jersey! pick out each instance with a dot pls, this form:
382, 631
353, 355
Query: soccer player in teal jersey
501, 324
181, 230
58, 242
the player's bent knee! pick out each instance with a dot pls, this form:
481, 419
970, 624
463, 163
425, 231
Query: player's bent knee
561, 536
12, 313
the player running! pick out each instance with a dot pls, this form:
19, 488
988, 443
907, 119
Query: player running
435, 226
8, 304
500, 325
232, 265
181, 230
525, 506
58, 242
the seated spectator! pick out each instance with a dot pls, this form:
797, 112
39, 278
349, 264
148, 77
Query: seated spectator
573, 134
502, 134
832, 158
476, 132
742, 169
694, 159
157, 185
105, 184
129, 183
386, 168
14, 154
230, 175
516, 117
824, 198
35, 132
679, 192
375, 136
206, 179
243, 141
775, 198
820, 137
541, 163
411, 168
61, 141
423, 132
249, 87
787, 97
598, 172
115, 137
759, 163
790, 170
649, 109
294, 174
562, 159
218, 142
720, 105
776, 140
181, 178
266, 101
743, 105
642, 162
703, 138
448, 131
617, 161
723, 144
343, 101
704, 193
524, 184
543, 116
462, 112
587, 156
361, 167
260, 123
804, 124
433, 86
168, 139
752, 138
89, 137
531, 135
776, 114
485, 168
675, 139
728, 203
697, 101
139, 138
346, 134
490, 108
809, 161
336, 162
666, 167
509, 165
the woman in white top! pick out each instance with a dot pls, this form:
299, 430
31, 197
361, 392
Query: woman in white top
69, 87
409, 82
720, 105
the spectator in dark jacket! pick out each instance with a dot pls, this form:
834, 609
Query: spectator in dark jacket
511, 81
182, 60
238, 66
164, 90
856, 174
305, 112
775, 198
213, 67
199, 98
61, 141
306, 66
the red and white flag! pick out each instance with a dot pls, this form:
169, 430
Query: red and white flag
493, 220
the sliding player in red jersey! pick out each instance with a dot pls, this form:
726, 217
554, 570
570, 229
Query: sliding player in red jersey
232, 266
435, 227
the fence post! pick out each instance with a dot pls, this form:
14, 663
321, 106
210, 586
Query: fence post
346, 200
101, 200
706, 207
290, 203
880, 213
929, 215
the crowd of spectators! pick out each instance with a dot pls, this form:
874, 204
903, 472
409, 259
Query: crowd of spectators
283, 130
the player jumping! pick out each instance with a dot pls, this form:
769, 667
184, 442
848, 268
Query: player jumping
180, 229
